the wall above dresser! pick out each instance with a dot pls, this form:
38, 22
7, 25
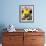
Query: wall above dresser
9, 13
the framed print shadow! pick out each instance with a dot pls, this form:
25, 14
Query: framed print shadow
26, 13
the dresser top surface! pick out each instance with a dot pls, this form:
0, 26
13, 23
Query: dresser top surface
22, 30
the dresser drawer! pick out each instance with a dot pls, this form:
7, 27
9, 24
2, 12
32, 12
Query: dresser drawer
34, 33
37, 39
12, 39
37, 44
20, 44
13, 33
8, 45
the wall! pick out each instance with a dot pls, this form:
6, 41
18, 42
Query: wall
10, 13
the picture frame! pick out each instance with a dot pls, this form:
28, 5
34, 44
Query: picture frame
26, 13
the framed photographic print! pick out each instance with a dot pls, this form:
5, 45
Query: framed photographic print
26, 13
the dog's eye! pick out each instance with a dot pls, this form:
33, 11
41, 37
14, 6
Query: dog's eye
30, 11
22, 11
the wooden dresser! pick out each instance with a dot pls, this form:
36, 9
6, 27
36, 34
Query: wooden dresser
23, 39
